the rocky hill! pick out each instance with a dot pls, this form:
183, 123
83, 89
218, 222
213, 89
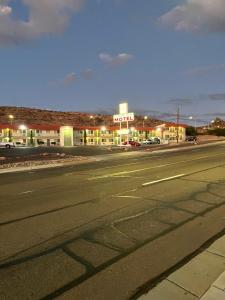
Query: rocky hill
23, 115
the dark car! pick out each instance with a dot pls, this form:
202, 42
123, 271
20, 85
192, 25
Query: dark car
132, 143
191, 139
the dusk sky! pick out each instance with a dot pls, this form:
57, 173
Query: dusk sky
89, 55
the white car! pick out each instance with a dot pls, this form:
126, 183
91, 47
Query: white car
7, 144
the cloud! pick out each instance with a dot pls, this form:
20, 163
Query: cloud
44, 17
181, 101
88, 74
5, 10
70, 78
115, 61
217, 97
215, 114
197, 16
205, 69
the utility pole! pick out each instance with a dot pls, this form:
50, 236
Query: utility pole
178, 121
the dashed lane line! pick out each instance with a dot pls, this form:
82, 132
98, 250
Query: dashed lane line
26, 192
126, 172
121, 196
163, 179
149, 168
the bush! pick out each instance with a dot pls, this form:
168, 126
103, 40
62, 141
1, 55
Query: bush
217, 131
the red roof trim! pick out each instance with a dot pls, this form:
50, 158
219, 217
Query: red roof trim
77, 127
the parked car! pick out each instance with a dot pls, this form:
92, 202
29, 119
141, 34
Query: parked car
152, 140
132, 143
7, 144
191, 139
19, 144
147, 142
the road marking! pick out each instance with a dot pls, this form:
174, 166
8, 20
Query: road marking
126, 172
134, 197
163, 179
149, 168
26, 192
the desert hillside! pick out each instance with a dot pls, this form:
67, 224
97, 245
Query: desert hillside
23, 115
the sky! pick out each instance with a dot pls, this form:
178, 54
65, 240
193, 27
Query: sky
91, 55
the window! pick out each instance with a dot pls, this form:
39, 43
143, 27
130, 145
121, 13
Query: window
103, 140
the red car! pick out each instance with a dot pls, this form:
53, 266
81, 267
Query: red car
132, 143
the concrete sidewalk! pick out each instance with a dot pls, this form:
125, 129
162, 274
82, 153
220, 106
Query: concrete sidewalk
201, 278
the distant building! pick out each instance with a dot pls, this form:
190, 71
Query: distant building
50, 135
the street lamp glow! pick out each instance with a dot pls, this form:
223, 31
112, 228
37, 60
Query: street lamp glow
22, 127
145, 117
11, 117
103, 128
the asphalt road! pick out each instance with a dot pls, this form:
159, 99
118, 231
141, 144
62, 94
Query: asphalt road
104, 229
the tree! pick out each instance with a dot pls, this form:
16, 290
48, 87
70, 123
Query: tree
190, 131
85, 137
31, 138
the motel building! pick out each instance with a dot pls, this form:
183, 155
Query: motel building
55, 135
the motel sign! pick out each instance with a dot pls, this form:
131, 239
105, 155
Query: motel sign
123, 118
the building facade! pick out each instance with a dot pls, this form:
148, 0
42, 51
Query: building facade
51, 135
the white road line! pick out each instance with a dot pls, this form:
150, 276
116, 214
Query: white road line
26, 192
163, 179
126, 172
134, 197
122, 193
155, 167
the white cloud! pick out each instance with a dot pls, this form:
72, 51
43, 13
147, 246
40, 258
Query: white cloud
45, 17
88, 74
5, 10
70, 78
196, 16
114, 61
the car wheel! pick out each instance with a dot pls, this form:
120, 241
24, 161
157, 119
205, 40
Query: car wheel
7, 146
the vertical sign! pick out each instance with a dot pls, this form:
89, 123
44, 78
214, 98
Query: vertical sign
123, 108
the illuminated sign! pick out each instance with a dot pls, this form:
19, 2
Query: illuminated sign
123, 118
123, 108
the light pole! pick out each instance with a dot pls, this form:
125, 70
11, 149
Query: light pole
143, 125
195, 123
212, 123
92, 118
11, 118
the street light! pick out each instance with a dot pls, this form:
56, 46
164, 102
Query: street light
212, 123
22, 127
195, 122
11, 117
143, 123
